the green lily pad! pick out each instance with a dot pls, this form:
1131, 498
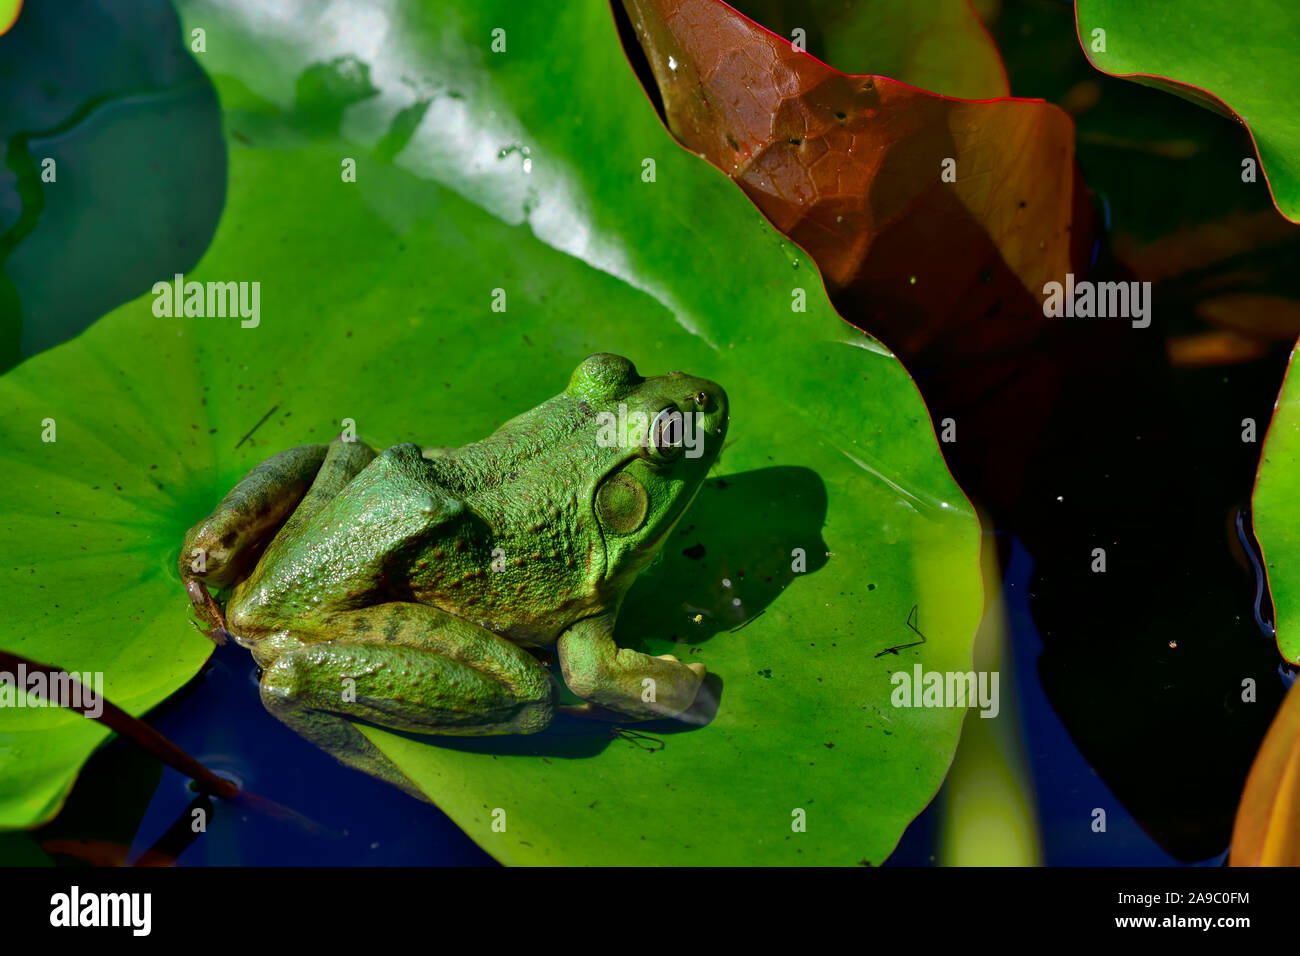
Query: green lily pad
520, 171
941, 46
1276, 509
1237, 59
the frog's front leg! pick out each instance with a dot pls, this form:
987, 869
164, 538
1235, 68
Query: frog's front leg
408, 667
623, 680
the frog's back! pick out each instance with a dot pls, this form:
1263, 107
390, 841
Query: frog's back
340, 557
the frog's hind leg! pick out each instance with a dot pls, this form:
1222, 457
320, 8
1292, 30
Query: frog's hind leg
282, 492
343, 461
407, 667
224, 546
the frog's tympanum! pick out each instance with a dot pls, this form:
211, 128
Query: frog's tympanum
405, 588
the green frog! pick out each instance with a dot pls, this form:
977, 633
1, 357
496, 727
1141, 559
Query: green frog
420, 589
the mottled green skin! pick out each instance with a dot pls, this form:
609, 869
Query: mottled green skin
412, 581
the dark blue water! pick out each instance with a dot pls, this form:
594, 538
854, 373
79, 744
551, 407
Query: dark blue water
1066, 788
308, 808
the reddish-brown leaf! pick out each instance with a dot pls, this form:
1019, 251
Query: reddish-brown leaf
850, 168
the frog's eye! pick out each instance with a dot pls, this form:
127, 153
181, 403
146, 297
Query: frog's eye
666, 430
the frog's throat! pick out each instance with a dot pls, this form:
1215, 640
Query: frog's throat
651, 549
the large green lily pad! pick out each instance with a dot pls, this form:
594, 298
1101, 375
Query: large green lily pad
519, 171
1236, 58
1276, 508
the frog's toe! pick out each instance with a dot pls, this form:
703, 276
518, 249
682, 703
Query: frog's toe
589, 711
668, 657
698, 668
205, 607
217, 635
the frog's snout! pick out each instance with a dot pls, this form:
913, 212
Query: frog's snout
710, 400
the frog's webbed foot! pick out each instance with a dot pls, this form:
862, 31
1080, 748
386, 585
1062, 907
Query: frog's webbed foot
208, 612
408, 667
623, 681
